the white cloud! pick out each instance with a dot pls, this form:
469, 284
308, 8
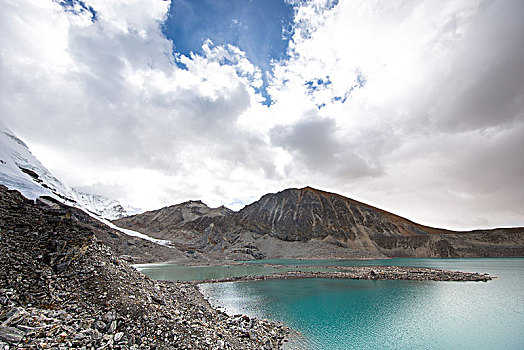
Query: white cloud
439, 77
412, 106
119, 102
127, 16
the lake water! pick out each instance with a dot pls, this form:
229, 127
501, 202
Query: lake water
360, 314
172, 272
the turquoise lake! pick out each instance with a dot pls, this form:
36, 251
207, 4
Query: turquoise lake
172, 272
359, 314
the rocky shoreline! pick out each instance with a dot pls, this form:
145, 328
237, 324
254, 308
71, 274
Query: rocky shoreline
365, 273
62, 288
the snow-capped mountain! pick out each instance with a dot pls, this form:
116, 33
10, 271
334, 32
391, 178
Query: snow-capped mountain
102, 206
20, 170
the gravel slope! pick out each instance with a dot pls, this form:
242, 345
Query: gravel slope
62, 288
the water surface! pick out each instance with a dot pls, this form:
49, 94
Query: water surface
172, 272
361, 314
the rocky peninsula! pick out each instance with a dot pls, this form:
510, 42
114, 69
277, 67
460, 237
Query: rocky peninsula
365, 273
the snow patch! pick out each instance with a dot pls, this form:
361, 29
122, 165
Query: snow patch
136, 234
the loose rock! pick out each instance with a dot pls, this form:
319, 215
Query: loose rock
61, 288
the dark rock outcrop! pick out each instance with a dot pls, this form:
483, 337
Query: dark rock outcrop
306, 213
139, 250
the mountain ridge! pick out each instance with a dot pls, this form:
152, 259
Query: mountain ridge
308, 222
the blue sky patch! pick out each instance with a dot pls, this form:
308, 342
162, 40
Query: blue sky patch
360, 82
77, 7
260, 28
317, 84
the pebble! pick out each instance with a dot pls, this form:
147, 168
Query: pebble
118, 336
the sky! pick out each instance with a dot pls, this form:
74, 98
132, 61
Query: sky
416, 107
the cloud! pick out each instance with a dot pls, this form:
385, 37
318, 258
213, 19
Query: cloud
316, 147
481, 86
107, 94
416, 107
470, 179
442, 91
456, 65
121, 87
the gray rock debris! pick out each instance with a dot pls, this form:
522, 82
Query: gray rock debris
11, 335
61, 288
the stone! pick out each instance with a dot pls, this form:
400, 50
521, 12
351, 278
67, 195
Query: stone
79, 336
127, 258
100, 325
118, 336
157, 299
11, 335
112, 327
109, 317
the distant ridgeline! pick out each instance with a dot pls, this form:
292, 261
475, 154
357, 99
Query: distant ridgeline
309, 223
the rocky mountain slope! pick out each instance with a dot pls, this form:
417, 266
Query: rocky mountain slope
131, 248
303, 214
309, 223
189, 225
21, 170
62, 288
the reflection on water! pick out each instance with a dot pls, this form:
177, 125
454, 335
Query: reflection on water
171, 272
